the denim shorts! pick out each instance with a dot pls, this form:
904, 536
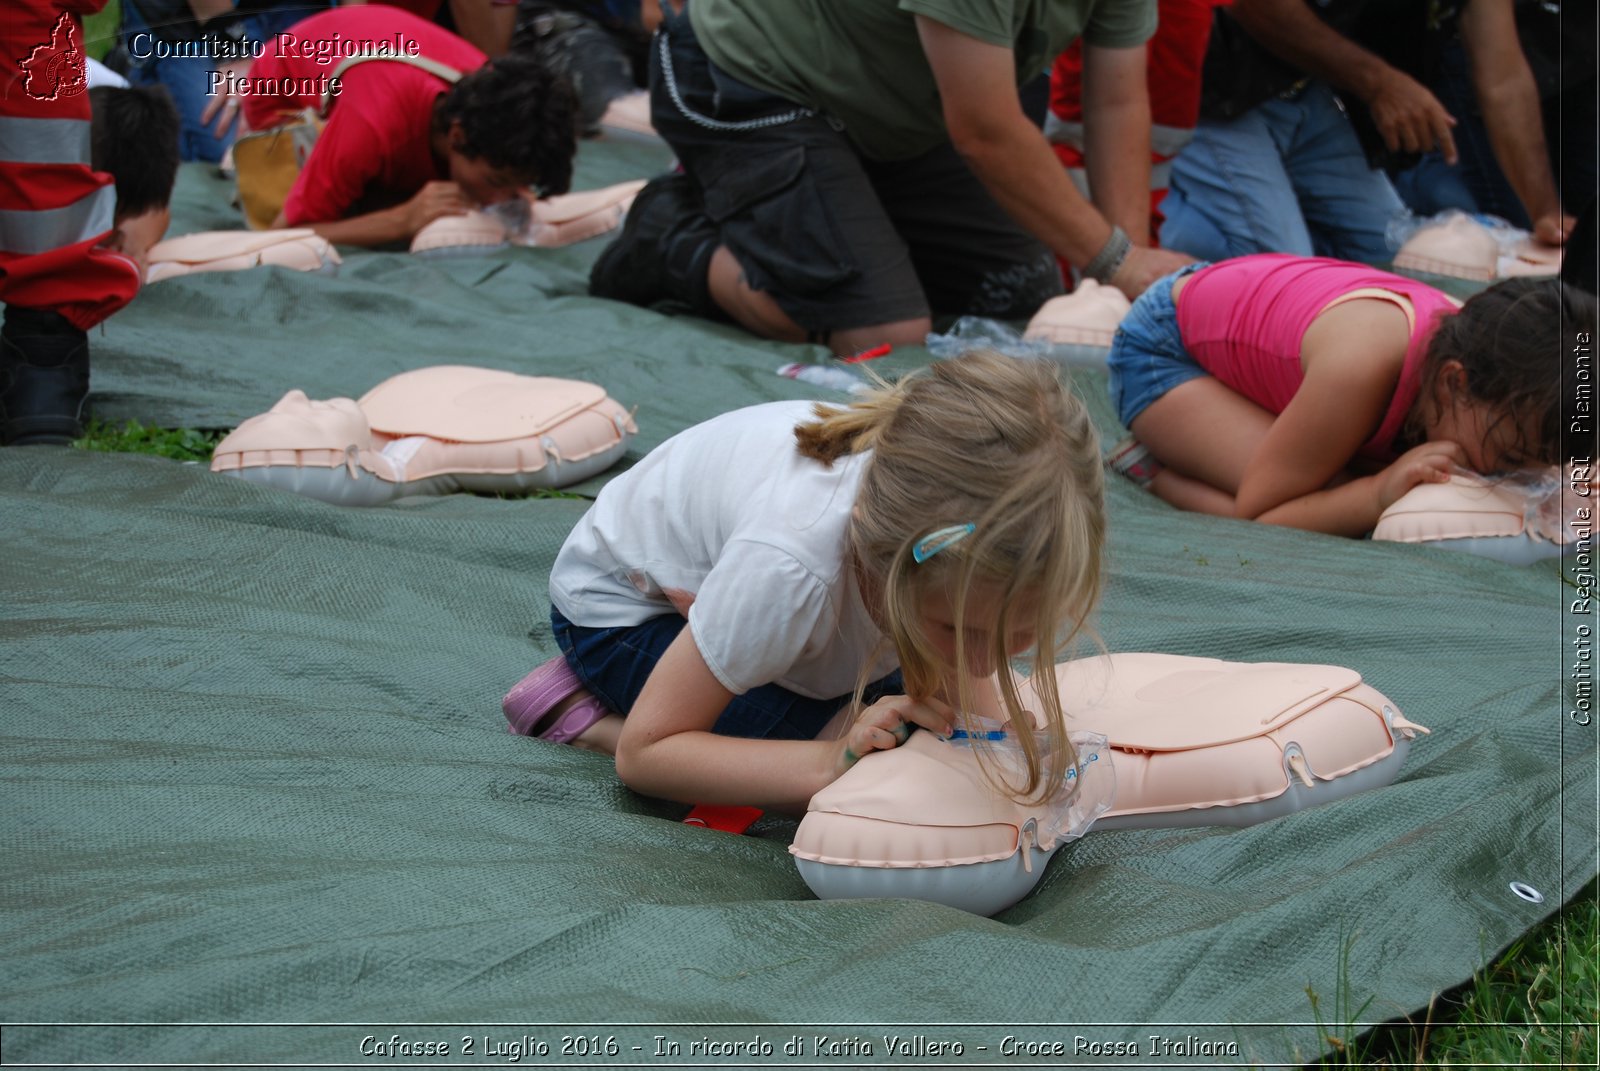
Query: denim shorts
1147, 357
614, 663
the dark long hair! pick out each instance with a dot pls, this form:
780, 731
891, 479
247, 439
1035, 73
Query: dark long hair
1511, 340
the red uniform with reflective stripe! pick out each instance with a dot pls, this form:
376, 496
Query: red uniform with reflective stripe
53, 208
1173, 59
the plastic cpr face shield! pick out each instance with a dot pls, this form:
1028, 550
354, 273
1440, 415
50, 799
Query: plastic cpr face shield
431, 431
1084, 793
1518, 519
529, 221
1162, 740
1079, 327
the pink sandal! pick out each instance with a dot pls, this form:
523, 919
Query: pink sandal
540, 692
1131, 458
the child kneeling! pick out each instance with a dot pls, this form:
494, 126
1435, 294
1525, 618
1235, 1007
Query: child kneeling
770, 595
1313, 393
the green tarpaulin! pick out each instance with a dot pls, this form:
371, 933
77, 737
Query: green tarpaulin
255, 770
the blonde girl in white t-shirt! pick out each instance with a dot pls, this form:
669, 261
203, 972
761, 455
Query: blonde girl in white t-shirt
771, 595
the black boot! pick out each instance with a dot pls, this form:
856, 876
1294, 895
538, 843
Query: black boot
664, 251
44, 378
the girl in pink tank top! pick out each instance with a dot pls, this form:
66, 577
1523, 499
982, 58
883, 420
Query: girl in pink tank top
1313, 393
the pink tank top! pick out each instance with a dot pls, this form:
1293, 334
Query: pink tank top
1243, 320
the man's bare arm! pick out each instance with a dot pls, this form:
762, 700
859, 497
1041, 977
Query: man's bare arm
1408, 116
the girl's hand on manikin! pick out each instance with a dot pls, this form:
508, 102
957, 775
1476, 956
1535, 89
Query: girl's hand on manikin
887, 724
1429, 463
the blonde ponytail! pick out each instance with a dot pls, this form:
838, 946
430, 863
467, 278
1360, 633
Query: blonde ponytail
853, 430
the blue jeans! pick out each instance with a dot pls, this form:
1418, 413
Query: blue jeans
1433, 186
1287, 176
187, 78
614, 663
1147, 357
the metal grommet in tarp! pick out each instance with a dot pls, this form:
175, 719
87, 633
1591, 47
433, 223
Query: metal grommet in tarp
1527, 892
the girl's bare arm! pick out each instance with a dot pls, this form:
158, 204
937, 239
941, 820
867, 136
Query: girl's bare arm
1351, 356
667, 748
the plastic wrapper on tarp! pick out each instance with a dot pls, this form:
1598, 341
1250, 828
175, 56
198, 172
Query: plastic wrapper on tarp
976, 333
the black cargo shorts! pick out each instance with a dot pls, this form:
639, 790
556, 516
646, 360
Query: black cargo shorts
838, 240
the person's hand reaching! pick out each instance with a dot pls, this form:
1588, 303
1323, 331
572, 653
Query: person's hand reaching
1554, 228
1144, 265
223, 109
1410, 118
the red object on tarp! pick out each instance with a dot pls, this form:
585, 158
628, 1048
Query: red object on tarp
727, 819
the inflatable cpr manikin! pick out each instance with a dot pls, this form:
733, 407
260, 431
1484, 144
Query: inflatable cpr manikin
431, 431
1459, 246
1512, 519
528, 221
1079, 326
1162, 740
476, 231
298, 249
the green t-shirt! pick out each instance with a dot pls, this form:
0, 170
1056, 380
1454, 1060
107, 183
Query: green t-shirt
861, 62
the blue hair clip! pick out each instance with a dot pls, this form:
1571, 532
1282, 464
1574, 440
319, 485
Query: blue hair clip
943, 539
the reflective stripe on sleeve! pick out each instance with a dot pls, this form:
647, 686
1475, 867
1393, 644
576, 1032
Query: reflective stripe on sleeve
1169, 140
1164, 140
26, 140
27, 232
1160, 177
1063, 132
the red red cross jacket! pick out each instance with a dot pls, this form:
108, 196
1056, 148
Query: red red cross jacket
54, 210
1173, 59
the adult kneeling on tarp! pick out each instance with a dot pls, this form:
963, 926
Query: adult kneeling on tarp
850, 165
417, 124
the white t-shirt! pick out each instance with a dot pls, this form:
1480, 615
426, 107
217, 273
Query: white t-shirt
728, 522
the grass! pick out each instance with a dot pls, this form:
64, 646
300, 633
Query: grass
179, 444
1534, 1005
1548, 983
